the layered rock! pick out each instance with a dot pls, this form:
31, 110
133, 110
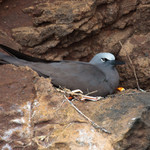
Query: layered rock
33, 115
77, 29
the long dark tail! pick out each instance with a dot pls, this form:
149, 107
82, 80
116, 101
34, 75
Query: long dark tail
21, 55
7, 59
15, 57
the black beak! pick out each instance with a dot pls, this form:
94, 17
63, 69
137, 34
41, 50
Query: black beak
116, 62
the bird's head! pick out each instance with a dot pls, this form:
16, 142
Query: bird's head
105, 58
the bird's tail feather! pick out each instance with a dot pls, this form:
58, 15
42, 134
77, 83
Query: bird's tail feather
6, 59
21, 55
17, 59
3, 62
2, 59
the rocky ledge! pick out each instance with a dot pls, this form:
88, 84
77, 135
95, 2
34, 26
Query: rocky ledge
33, 115
77, 30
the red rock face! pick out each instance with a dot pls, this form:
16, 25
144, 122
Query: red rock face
69, 30
137, 47
33, 115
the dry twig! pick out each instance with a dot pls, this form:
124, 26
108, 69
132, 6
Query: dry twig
135, 75
93, 123
78, 95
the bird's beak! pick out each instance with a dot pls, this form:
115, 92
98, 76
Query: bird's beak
116, 62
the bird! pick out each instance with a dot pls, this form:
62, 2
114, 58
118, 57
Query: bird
98, 76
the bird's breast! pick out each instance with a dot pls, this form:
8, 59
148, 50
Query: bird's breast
113, 79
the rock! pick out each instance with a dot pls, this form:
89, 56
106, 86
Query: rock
56, 30
142, 24
29, 36
137, 47
127, 6
33, 115
61, 19
6, 40
125, 116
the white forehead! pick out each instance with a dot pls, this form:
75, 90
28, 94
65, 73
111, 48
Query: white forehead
97, 57
109, 56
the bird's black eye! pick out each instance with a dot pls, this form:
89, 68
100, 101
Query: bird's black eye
104, 59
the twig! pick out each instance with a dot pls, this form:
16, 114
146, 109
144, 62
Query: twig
93, 123
135, 75
58, 107
91, 92
68, 92
78, 95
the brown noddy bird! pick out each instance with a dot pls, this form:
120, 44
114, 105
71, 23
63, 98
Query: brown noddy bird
99, 75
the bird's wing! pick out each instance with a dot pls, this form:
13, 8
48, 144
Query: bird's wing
71, 74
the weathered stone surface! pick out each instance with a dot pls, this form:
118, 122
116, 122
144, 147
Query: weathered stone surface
76, 29
6, 40
126, 6
125, 116
137, 47
29, 36
61, 18
142, 24
77, 19
34, 116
